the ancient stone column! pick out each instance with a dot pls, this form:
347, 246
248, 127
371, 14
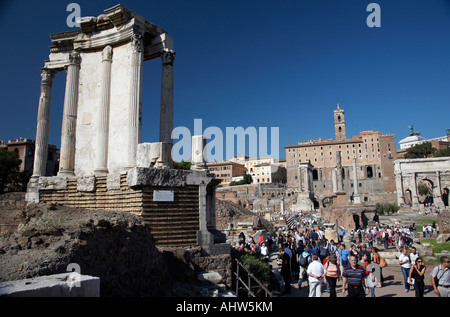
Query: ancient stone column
340, 185
68, 133
414, 194
43, 123
135, 104
198, 158
399, 184
355, 178
166, 107
101, 160
356, 197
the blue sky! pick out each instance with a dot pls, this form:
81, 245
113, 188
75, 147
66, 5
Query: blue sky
257, 64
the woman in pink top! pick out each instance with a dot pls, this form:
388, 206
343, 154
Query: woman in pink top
333, 274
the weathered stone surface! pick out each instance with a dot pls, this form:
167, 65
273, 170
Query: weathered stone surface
113, 182
86, 184
212, 277
116, 247
53, 182
57, 285
442, 238
140, 176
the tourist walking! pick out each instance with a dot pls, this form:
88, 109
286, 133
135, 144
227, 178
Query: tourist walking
303, 261
385, 238
416, 277
364, 262
332, 275
343, 255
354, 277
377, 259
405, 264
369, 237
286, 271
440, 278
414, 255
316, 272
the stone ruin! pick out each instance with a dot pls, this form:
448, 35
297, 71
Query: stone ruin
103, 163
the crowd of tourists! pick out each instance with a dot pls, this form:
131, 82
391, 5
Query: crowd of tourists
306, 256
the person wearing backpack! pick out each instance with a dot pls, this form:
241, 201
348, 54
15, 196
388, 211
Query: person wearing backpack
440, 278
303, 262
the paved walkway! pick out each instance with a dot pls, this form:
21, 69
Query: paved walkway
393, 283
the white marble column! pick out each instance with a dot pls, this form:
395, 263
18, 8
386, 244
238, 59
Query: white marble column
198, 157
356, 197
43, 123
101, 159
68, 133
414, 194
355, 178
399, 189
135, 103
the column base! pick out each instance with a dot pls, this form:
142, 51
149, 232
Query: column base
101, 172
66, 173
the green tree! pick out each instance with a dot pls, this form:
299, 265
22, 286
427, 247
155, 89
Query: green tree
423, 190
420, 151
11, 179
247, 179
182, 165
442, 152
386, 208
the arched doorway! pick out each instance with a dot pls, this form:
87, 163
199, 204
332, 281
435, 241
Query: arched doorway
408, 197
445, 196
356, 220
425, 191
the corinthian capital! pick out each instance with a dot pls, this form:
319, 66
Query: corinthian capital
47, 76
74, 57
136, 43
107, 53
167, 57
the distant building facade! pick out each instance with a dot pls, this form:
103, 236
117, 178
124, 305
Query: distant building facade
25, 149
374, 152
264, 170
226, 171
414, 139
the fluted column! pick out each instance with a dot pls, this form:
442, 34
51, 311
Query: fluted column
135, 103
43, 123
68, 133
101, 159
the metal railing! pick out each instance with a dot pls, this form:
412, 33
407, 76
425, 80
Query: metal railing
248, 285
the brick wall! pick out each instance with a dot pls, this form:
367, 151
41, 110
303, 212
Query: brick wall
172, 223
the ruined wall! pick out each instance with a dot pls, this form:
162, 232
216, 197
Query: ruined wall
172, 222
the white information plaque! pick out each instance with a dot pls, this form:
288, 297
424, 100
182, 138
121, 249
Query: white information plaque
163, 195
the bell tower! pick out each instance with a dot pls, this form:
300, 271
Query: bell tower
339, 124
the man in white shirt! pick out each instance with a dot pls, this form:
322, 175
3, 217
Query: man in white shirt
316, 272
